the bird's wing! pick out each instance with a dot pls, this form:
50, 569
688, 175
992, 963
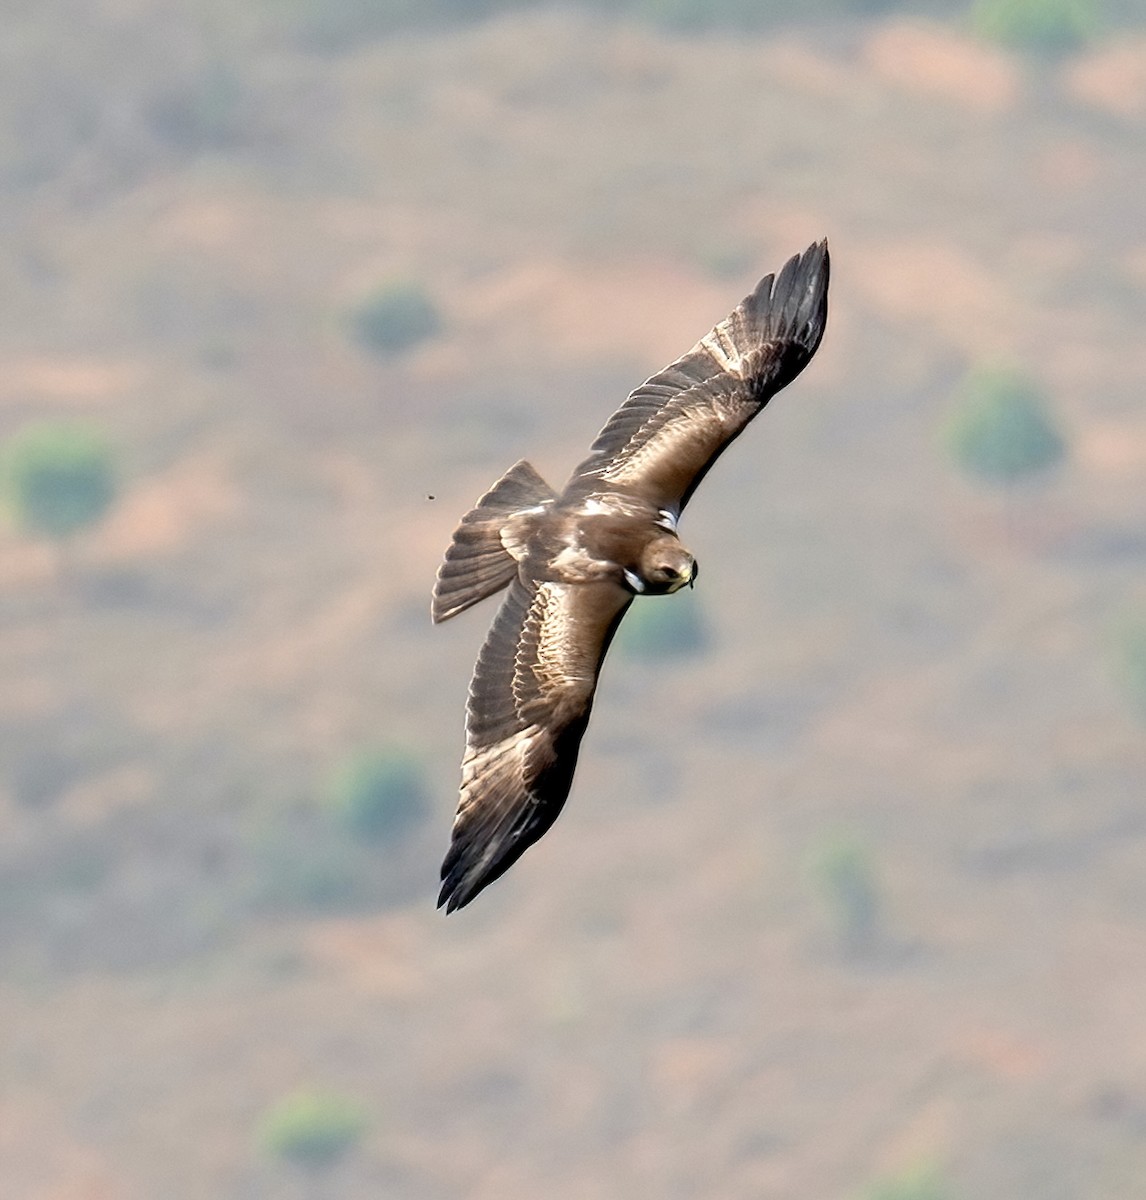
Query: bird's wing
667, 434
529, 704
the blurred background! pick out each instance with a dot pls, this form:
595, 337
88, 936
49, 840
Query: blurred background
849, 901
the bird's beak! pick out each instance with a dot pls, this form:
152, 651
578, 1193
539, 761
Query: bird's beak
693, 573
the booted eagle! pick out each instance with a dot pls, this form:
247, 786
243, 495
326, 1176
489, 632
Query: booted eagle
574, 560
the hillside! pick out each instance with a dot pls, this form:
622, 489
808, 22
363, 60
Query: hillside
652, 1002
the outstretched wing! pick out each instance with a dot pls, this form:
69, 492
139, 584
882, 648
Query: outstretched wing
529, 703
663, 439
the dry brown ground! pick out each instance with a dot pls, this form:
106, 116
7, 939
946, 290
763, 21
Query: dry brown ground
650, 1004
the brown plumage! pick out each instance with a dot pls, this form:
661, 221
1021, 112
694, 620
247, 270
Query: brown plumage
574, 562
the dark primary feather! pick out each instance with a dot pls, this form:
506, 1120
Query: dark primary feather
668, 433
529, 704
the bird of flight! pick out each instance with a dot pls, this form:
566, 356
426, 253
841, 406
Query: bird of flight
574, 561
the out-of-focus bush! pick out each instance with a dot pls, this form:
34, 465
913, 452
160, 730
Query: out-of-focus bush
205, 112
333, 26
1001, 430
39, 776
919, 1183
1043, 26
705, 14
756, 14
306, 869
844, 875
379, 795
663, 627
1130, 661
59, 478
312, 1129
394, 319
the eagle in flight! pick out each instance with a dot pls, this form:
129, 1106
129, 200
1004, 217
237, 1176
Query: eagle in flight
574, 561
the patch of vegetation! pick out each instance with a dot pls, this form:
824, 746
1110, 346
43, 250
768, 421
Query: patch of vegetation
750, 15
704, 14
207, 112
59, 479
1041, 26
379, 795
314, 1130
312, 872
395, 319
331, 27
727, 260
334, 26
919, 1183
40, 775
1002, 431
664, 628
844, 874
1130, 661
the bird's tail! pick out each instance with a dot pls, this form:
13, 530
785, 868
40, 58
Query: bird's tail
477, 563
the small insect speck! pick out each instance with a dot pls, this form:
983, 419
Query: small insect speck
430, 496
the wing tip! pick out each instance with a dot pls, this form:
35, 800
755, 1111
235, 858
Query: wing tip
462, 878
793, 303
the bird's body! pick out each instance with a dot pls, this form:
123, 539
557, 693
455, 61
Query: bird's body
574, 561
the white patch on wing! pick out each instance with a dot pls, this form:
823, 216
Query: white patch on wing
666, 520
723, 350
611, 504
633, 581
573, 563
596, 508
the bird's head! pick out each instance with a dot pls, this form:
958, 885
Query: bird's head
665, 566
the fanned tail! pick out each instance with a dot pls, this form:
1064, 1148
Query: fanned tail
478, 563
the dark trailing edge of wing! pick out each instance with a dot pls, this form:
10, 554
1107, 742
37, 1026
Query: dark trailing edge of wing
510, 830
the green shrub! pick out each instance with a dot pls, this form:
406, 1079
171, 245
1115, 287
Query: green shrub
1130, 661
334, 26
59, 478
919, 1183
845, 877
207, 112
312, 1129
1044, 26
743, 15
1002, 430
703, 14
727, 260
39, 776
395, 319
663, 627
379, 794
310, 870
